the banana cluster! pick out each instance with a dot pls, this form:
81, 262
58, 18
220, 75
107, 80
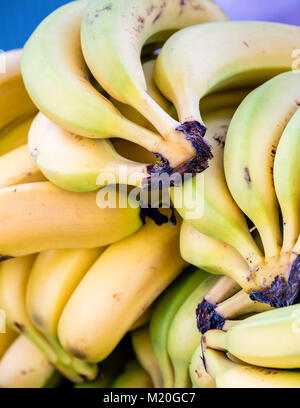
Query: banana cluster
109, 94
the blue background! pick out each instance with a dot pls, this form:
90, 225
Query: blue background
20, 17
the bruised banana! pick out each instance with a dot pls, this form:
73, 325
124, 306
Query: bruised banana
39, 216
164, 311
18, 167
189, 65
115, 33
58, 82
250, 148
229, 374
14, 274
24, 366
14, 100
150, 262
198, 374
143, 349
252, 340
53, 278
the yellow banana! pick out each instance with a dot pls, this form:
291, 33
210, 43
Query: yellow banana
18, 167
6, 339
150, 261
134, 376
24, 366
144, 353
39, 216
115, 33
14, 135
198, 374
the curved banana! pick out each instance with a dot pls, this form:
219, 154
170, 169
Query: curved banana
189, 65
229, 374
58, 81
134, 376
165, 309
252, 339
24, 366
150, 262
286, 169
205, 203
15, 135
14, 100
78, 164
6, 339
54, 276
183, 335
38, 216
18, 167
14, 274
143, 349
115, 33
198, 374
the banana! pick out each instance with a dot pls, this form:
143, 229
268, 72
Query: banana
198, 374
143, 349
54, 276
150, 262
248, 161
165, 309
14, 274
115, 33
143, 319
189, 65
229, 374
252, 339
206, 204
183, 335
24, 366
14, 135
79, 164
58, 81
134, 376
286, 168
14, 100
6, 339
18, 167
38, 216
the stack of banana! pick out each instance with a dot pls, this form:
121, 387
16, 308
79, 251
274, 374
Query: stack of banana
106, 93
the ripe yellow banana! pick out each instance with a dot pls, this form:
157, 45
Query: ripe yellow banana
268, 339
18, 167
143, 349
143, 319
189, 65
286, 170
53, 278
14, 275
229, 374
206, 204
150, 261
24, 366
39, 216
248, 160
115, 33
198, 374
79, 164
14, 100
165, 309
134, 376
14, 135
6, 339
58, 81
